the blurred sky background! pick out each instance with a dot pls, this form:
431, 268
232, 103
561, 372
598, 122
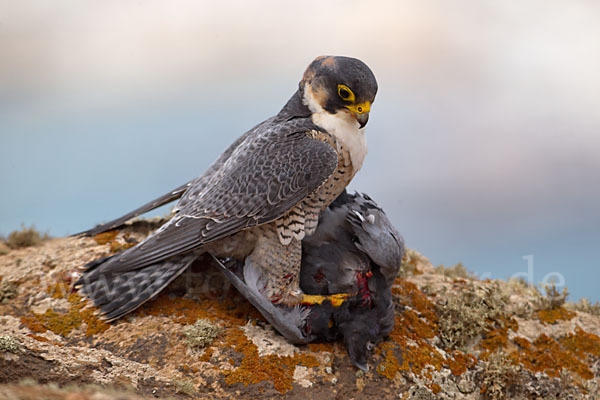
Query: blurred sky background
484, 140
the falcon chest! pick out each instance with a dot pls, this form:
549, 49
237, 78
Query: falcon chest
349, 141
304, 217
318, 200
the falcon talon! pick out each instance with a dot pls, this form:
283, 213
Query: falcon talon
335, 299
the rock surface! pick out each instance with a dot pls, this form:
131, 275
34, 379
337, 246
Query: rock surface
455, 337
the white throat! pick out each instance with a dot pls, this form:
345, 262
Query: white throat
342, 125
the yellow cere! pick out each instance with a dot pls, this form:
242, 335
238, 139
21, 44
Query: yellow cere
360, 108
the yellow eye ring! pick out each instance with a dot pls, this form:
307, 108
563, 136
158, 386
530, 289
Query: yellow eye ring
346, 93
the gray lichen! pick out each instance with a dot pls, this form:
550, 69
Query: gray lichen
464, 317
499, 378
185, 386
201, 334
9, 344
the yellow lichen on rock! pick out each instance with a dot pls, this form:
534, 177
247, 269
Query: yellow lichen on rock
252, 369
62, 323
554, 315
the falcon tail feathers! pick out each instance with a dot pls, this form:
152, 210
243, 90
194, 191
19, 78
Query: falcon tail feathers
94, 264
118, 294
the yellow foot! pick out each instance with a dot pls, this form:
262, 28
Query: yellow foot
335, 299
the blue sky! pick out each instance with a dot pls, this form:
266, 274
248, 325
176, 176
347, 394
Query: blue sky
484, 143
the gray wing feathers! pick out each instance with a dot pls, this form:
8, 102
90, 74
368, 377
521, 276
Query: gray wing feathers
265, 176
200, 183
272, 169
179, 240
180, 192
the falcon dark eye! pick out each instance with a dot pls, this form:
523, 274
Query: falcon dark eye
345, 93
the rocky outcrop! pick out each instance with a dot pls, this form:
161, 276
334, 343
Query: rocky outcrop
455, 337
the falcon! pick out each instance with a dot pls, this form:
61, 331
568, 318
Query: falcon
257, 201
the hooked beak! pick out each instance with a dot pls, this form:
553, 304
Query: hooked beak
362, 119
360, 112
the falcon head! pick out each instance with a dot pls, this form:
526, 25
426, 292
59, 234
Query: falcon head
339, 85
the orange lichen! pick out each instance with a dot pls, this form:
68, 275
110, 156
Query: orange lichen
421, 359
321, 347
419, 327
207, 354
550, 356
233, 310
59, 290
63, 323
33, 324
390, 366
409, 294
522, 342
510, 323
497, 337
581, 343
412, 329
252, 369
460, 362
106, 237
94, 324
554, 315
187, 369
493, 340
116, 247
